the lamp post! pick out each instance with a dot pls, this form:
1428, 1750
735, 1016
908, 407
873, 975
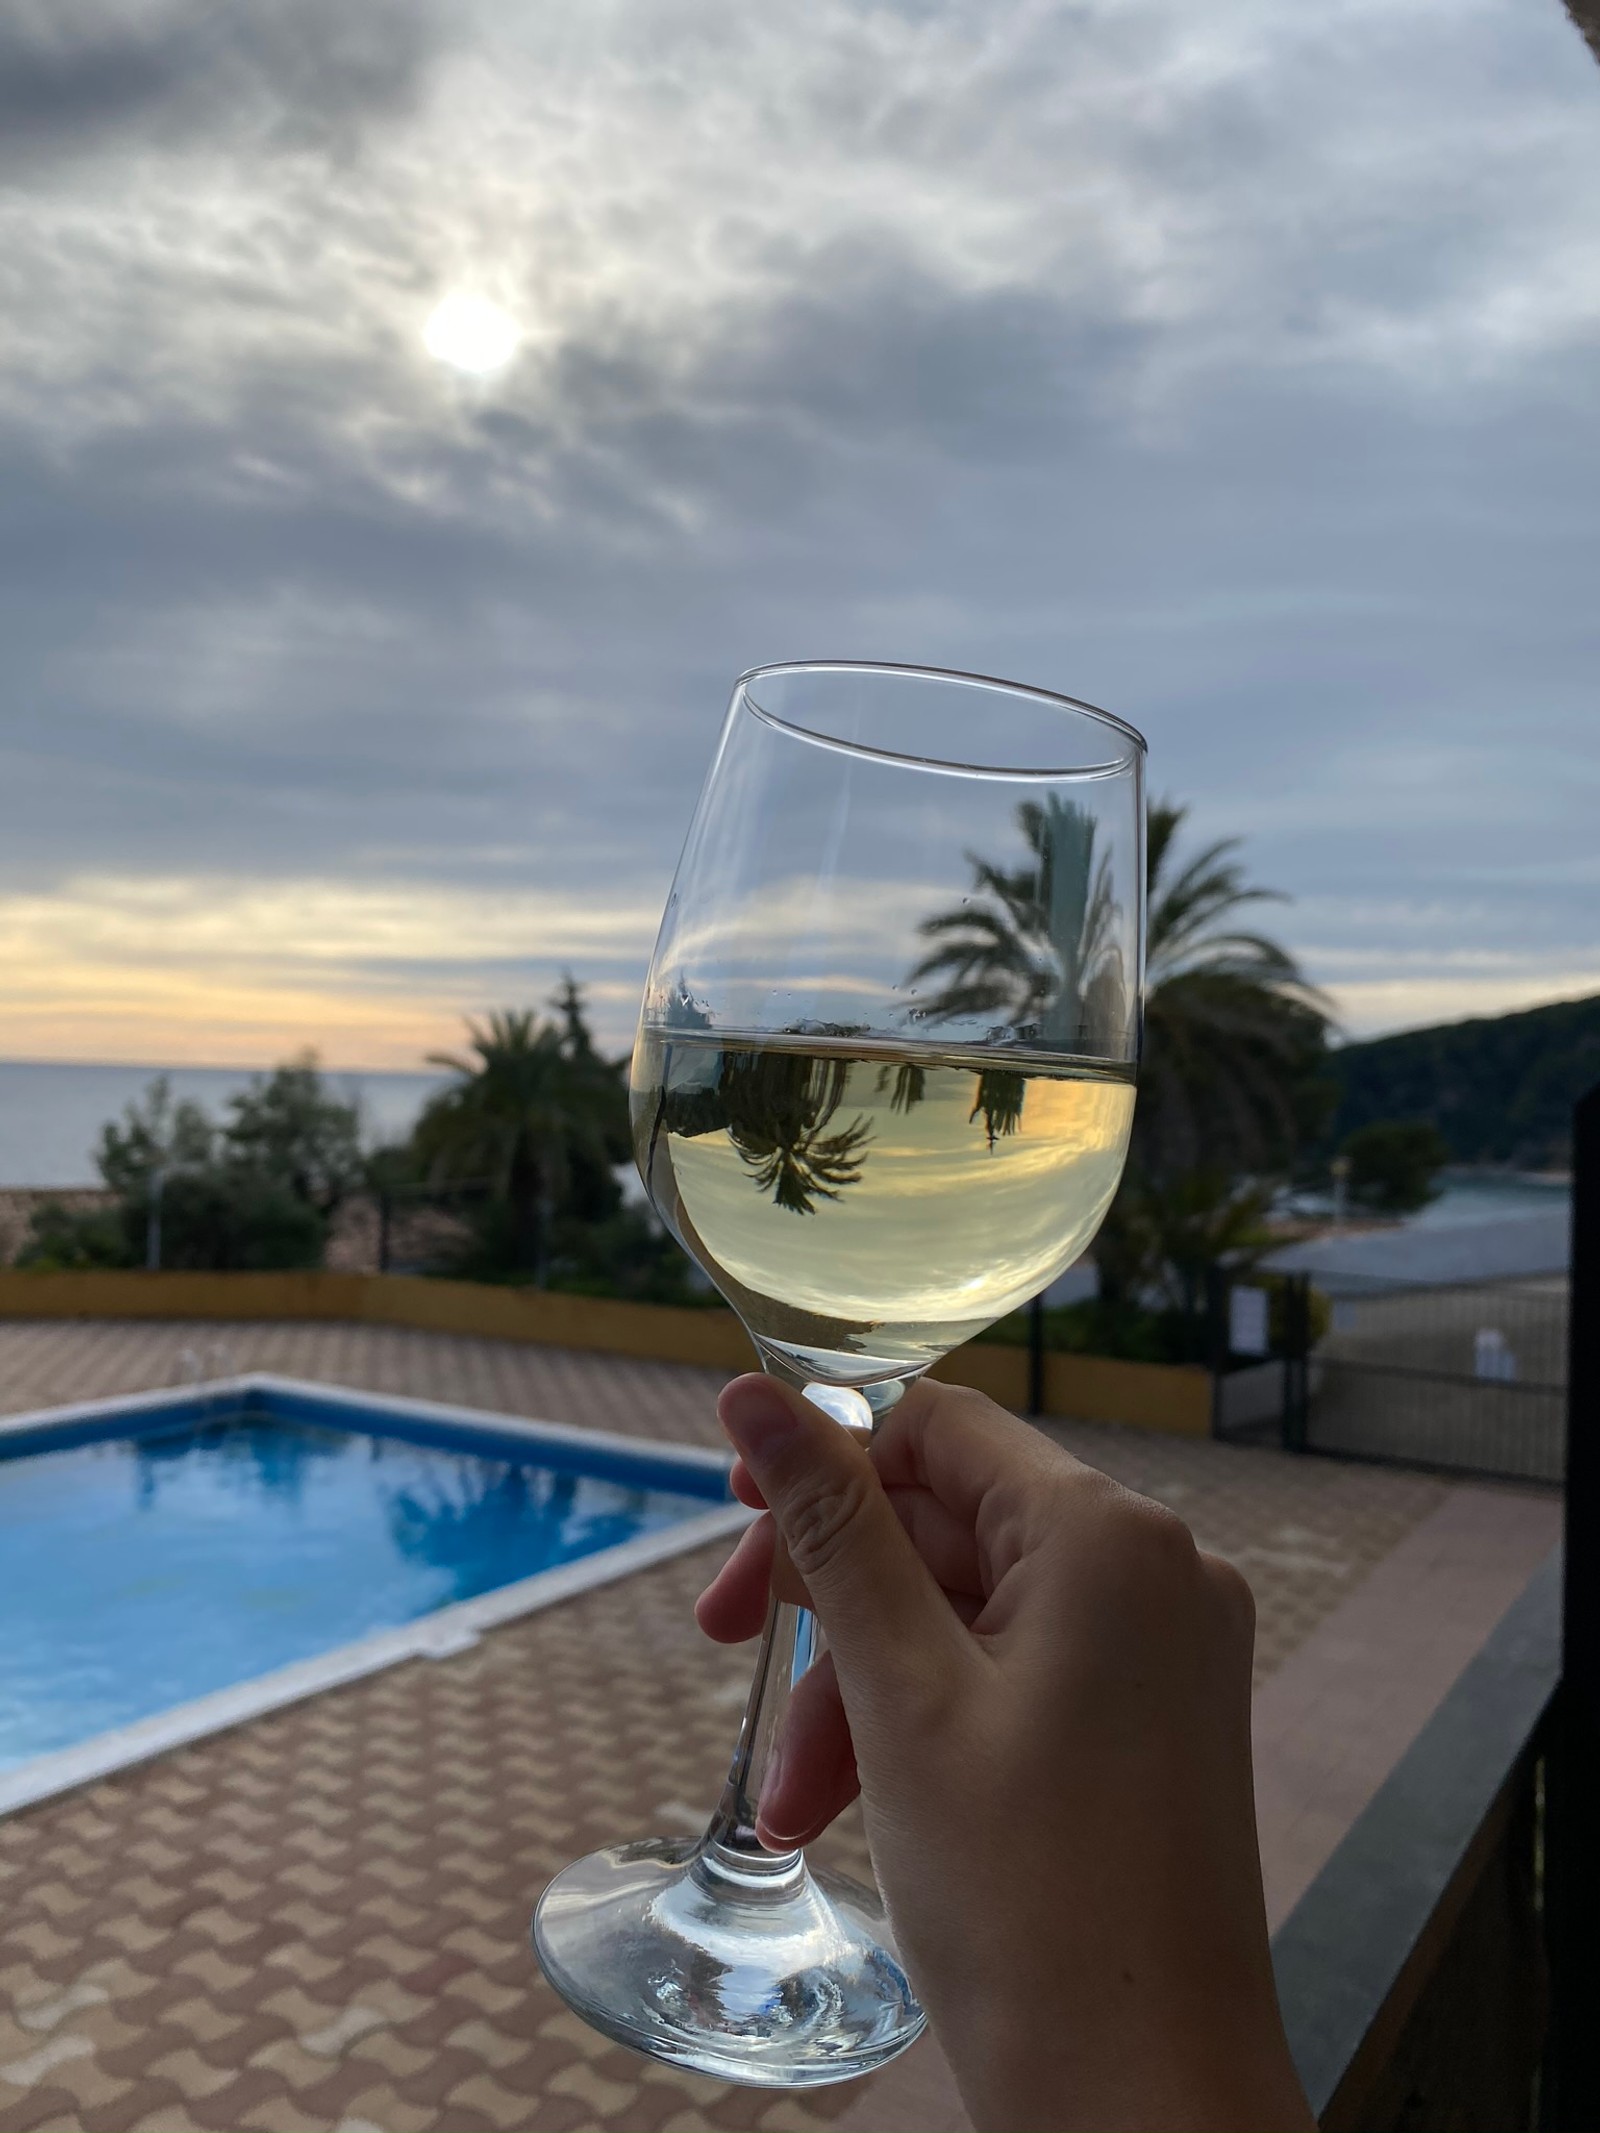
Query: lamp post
1340, 1168
152, 1226
1036, 1355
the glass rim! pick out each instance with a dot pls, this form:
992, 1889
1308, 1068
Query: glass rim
1130, 759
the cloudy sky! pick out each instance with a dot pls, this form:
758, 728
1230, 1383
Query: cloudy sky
1235, 367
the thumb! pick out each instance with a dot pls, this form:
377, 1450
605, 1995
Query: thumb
872, 1592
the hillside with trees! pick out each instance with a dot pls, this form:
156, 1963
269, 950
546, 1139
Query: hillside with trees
1498, 1089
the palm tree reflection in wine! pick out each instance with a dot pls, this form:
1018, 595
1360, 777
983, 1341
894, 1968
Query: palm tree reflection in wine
910, 1082
777, 1108
998, 1102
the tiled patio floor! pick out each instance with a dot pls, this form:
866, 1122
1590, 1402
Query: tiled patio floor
319, 1920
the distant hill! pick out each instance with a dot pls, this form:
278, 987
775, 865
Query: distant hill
1500, 1090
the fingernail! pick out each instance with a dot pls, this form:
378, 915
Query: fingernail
766, 1828
774, 1772
758, 1418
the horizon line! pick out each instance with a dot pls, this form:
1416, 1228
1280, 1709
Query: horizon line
207, 1066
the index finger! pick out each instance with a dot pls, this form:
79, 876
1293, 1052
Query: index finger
961, 1447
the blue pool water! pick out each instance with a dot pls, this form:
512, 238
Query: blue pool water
137, 1572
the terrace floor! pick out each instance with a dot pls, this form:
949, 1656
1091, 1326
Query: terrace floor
319, 1920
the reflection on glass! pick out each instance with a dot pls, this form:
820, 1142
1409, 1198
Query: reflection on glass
999, 1102
1035, 945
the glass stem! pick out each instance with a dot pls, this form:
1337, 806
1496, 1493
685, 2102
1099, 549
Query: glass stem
730, 1850
731, 1847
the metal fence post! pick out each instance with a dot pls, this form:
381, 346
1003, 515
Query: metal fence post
1571, 2093
1216, 1340
1036, 1355
1296, 1365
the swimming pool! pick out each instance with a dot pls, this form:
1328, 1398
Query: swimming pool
172, 1562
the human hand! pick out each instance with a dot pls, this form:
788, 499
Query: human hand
1043, 1691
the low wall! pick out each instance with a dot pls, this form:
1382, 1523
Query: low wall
654, 1330
1089, 1387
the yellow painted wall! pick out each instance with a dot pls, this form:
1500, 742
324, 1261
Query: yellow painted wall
651, 1330
1089, 1387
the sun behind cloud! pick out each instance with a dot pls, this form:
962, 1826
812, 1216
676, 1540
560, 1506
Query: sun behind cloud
471, 334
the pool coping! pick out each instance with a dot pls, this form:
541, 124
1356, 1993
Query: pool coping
448, 1630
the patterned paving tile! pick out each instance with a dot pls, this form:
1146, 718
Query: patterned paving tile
320, 1919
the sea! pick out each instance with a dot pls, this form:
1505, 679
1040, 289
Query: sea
51, 1115
1465, 1199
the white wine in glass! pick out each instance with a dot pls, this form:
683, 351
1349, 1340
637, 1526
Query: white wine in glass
920, 1195
881, 1092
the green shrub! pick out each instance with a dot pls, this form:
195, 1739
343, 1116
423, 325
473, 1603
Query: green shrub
1320, 1310
225, 1219
221, 1218
1393, 1164
1134, 1333
75, 1241
1128, 1331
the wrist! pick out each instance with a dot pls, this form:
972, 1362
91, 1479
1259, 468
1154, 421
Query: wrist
1120, 2061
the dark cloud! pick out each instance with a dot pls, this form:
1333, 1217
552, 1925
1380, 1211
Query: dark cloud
78, 78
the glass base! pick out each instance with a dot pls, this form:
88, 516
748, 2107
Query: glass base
754, 1970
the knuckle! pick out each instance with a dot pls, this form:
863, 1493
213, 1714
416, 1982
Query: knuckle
1236, 1603
819, 1517
1159, 1537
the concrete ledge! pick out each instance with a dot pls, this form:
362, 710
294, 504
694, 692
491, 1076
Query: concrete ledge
1357, 1954
1089, 1388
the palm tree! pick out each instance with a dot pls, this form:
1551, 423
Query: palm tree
1233, 1038
1233, 1032
1031, 947
530, 1104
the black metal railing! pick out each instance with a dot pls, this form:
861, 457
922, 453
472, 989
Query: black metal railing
1443, 1971
1469, 1375
1260, 1344
1572, 1780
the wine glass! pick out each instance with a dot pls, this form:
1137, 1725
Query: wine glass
881, 1091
